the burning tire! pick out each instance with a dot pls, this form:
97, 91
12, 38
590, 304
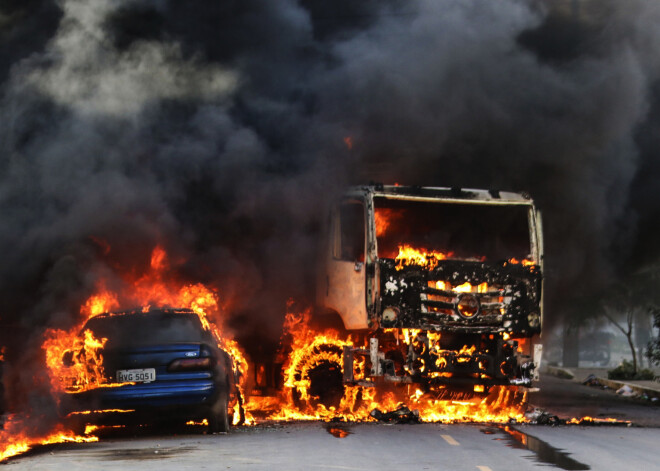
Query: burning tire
219, 415
78, 425
326, 384
317, 378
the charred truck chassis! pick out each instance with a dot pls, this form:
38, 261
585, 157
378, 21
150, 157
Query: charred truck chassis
451, 321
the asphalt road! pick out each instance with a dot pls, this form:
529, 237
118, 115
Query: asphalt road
568, 399
373, 446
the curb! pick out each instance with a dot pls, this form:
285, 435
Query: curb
615, 385
562, 373
565, 373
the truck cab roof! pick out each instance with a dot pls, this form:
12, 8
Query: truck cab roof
458, 195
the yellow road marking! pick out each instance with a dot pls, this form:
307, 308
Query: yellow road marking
449, 439
484, 468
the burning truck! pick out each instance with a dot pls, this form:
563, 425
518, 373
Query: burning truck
436, 287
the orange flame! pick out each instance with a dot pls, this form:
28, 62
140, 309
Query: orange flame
159, 259
103, 301
155, 287
411, 256
75, 361
312, 349
348, 140
524, 262
14, 440
462, 288
383, 220
82, 368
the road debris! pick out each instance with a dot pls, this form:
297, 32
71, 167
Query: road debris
626, 391
402, 415
592, 380
540, 417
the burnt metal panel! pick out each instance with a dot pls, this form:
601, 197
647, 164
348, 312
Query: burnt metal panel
514, 292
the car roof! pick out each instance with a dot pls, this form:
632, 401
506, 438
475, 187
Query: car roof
141, 312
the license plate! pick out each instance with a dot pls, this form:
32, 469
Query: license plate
144, 375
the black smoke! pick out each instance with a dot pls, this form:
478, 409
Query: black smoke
217, 129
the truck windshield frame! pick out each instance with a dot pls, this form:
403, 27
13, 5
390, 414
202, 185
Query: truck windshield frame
464, 231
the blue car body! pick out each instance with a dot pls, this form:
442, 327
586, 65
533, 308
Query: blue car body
193, 377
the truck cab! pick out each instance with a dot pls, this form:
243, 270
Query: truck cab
443, 285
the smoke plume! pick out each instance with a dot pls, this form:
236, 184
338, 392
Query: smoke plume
219, 130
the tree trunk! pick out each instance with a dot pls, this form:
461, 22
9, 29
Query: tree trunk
632, 350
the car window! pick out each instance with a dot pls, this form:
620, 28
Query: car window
349, 232
148, 328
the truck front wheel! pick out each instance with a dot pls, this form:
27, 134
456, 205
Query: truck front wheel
318, 378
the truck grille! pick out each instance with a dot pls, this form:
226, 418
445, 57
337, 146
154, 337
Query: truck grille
482, 304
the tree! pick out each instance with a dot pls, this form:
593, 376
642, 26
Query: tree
624, 306
646, 282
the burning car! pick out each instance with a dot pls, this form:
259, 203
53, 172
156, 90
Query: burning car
151, 364
437, 287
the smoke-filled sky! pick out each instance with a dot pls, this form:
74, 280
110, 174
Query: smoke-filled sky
217, 128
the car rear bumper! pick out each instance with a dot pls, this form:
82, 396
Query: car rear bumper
145, 396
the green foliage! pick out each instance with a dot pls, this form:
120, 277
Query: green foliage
653, 348
625, 371
653, 351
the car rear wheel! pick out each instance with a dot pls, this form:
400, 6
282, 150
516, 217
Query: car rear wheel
219, 417
77, 425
